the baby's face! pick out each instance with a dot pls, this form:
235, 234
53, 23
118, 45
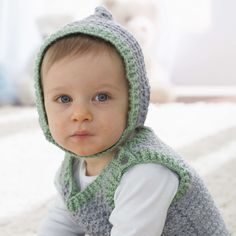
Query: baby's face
86, 101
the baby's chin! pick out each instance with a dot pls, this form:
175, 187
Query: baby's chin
99, 153
88, 153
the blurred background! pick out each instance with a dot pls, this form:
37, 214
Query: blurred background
190, 54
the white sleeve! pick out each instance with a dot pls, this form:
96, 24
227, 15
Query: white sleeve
142, 200
58, 222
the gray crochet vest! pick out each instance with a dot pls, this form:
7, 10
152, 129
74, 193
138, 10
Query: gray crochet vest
191, 213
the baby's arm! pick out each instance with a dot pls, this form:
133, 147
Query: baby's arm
58, 222
142, 200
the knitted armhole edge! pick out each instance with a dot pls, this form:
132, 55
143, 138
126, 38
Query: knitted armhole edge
147, 157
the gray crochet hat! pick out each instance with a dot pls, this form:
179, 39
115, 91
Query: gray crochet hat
102, 25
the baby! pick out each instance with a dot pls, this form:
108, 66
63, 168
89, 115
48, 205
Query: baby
117, 177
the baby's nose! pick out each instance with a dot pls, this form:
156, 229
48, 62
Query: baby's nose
81, 114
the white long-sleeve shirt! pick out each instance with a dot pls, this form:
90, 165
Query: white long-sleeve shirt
141, 203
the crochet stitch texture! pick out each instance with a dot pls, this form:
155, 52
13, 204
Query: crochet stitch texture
192, 211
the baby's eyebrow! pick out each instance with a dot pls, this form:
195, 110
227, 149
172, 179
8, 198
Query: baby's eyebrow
56, 89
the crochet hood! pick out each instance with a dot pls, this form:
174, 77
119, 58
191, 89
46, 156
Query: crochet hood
102, 25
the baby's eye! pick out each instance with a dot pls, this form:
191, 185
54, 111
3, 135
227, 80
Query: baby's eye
101, 97
64, 99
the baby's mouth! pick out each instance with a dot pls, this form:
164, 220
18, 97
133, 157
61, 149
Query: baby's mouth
81, 134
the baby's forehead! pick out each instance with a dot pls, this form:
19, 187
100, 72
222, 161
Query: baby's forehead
96, 69
76, 45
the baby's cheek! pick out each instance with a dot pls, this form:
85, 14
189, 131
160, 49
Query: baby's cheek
55, 127
115, 132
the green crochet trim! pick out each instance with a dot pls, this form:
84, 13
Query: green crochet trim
130, 67
76, 198
124, 162
114, 172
